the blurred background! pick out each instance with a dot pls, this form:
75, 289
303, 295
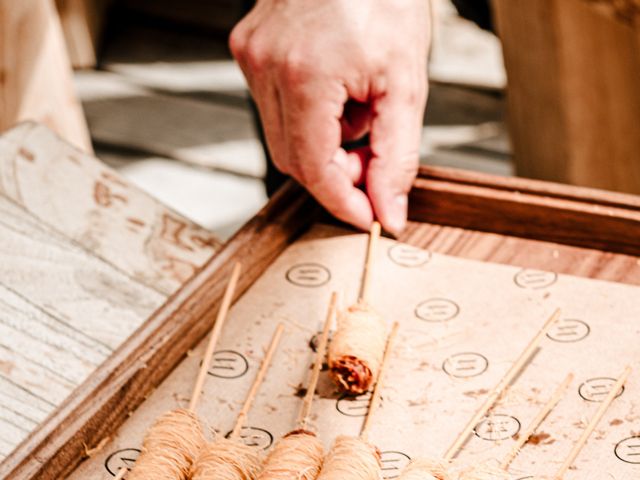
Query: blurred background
167, 106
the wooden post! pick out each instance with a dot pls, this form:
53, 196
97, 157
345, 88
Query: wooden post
35, 74
573, 95
82, 22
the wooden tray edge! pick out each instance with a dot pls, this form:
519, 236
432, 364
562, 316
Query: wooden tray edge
531, 209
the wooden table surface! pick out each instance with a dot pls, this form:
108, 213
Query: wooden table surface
85, 258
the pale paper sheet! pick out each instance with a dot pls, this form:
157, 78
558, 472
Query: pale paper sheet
463, 323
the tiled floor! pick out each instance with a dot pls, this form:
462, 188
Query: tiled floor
168, 108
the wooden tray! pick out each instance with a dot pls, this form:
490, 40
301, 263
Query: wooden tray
470, 215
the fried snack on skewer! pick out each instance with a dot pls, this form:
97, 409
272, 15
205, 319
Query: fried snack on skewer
357, 348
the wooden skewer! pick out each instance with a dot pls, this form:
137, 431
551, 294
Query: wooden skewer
215, 334
374, 403
266, 362
546, 409
499, 389
121, 473
305, 412
593, 423
374, 236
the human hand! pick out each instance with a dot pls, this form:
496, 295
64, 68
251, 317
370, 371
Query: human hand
325, 72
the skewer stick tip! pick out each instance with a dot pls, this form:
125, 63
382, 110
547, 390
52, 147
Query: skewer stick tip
374, 236
593, 423
495, 393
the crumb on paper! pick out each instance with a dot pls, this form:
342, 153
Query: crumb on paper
541, 438
423, 365
582, 423
476, 393
181, 400
300, 391
418, 402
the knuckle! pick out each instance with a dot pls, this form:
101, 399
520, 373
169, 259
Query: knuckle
411, 89
296, 67
238, 41
411, 93
398, 172
256, 53
409, 165
382, 162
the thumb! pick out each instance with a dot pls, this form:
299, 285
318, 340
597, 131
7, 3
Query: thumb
395, 143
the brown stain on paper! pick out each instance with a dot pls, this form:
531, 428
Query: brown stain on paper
103, 195
476, 393
541, 438
26, 154
136, 221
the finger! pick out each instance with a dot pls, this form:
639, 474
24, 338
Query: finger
335, 191
353, 162
312, 140
395, 142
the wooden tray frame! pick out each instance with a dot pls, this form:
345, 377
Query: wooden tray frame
507, 207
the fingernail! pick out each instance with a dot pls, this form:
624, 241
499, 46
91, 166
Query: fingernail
397, 214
